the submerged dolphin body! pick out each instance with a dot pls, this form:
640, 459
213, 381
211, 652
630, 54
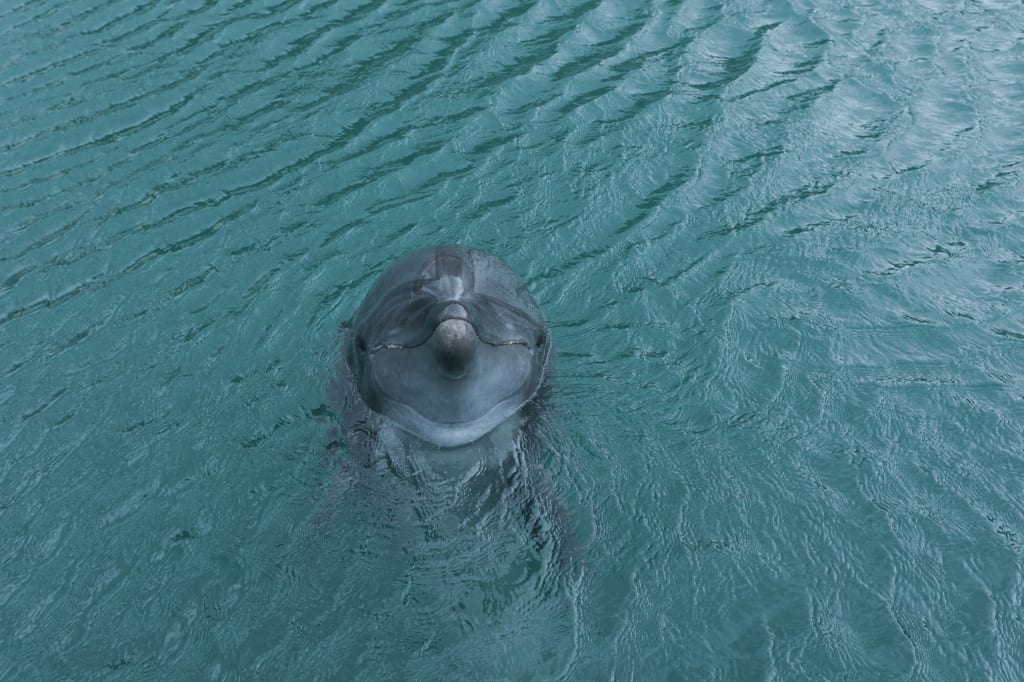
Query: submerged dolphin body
442, 373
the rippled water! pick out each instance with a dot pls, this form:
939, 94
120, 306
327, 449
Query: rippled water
781, 248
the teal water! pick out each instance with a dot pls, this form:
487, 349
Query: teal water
781, 248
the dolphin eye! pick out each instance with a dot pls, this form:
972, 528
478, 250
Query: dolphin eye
540, 341
361, 344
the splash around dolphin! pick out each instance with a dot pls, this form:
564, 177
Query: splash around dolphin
448, 345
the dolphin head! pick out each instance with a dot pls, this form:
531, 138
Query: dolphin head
448, 344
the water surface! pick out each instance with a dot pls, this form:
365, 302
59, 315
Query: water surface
781, 248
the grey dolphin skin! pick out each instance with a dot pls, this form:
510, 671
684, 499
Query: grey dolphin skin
448, 345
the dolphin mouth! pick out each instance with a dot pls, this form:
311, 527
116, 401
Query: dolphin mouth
496, 344
411, 323
453, 311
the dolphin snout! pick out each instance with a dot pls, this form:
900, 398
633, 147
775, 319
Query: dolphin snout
455, 343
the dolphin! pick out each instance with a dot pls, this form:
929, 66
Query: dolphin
444, 369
